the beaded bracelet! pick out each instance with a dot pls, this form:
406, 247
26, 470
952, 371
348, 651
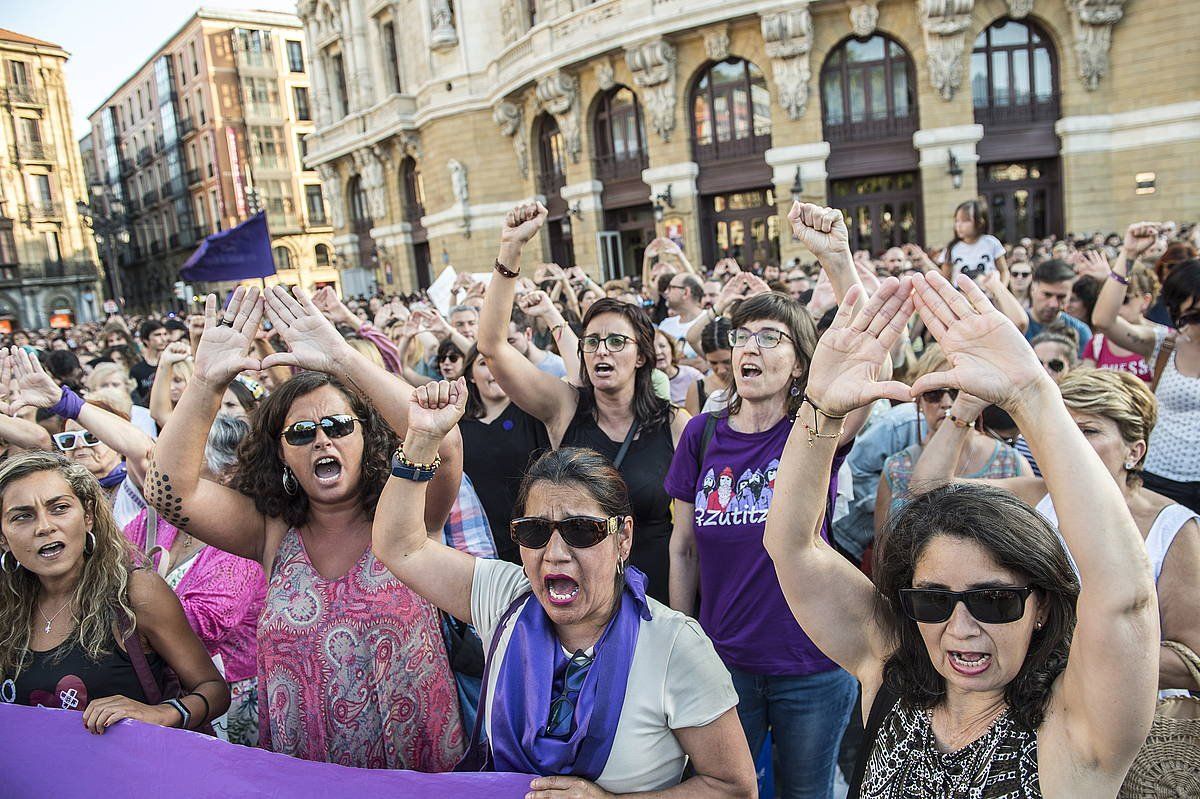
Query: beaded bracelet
812, 430
504, 270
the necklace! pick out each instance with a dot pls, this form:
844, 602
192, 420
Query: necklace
50, 619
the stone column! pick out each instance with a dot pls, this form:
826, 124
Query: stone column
320, 86
810, 160
681, 179
586, 197
939, 196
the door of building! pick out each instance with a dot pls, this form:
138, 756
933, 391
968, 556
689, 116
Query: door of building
1024, 198
422, 264
881, 211
635, 228
743, 225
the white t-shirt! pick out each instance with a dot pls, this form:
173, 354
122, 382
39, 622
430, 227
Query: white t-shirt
975, 260
676, 681
553, 364
678, 329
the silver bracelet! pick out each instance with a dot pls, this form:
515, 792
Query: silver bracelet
184, 713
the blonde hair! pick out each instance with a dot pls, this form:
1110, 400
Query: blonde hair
112, 399
931, 360
1142, 281
101, 595
1116, 395
367, 349
184, 369
103, 371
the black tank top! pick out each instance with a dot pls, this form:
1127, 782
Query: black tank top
73, 680
644, 469
495, 457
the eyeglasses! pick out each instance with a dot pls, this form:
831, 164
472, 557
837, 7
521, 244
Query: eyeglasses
65, 442
562, 709
613, 342
767, 338
450, 356
578, 532
1020, 274
935, 396
305, 432
988, 605
1055, 365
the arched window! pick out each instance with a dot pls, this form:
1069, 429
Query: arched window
731, 111
867, 91
619, 135
414, 190
552, 164
323, 256
283, 258
359, 210
1013, 74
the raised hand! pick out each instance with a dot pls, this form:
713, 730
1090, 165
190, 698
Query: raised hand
822, 297
313, 341
33, 387
522, 223
175, 352
844, 372
821, 230
866, 274
1139, 237
988, 356
536, 303
224, 348
326, 300
435, 408
1093, 263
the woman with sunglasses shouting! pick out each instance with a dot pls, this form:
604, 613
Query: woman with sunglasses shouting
588, 682
986, 671
352, 667
613, 411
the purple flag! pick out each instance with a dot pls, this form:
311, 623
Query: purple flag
236, 254
49, 753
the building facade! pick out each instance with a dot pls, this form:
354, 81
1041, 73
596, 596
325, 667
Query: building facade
47, 257
210, 129
703, 119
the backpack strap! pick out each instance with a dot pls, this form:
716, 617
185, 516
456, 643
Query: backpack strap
164, 560
1164, 356
137, 659
710, 427
884, 702
477, 755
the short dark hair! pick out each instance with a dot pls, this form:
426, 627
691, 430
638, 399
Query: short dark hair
175, 324
780, 307
693, 285
579, 466
522, 320
1182, 283
1054, 270
148, 327
650, 410
1019, 539
715, 335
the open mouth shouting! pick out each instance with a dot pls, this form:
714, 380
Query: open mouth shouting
750, 371
561, 589
327, 470
604, 369
52, 550
969, 664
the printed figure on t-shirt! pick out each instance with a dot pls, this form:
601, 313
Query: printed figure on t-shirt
719, 499
769, 488
710, 483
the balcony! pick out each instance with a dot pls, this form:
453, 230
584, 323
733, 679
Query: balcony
42, 209
1025, 111
24, 94
264, 111
193, 177
149, 199
33, 151
144, 156
76, 269
186, 127
872, 130
612, 167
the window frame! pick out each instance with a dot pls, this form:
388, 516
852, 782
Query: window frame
704, 87
889, 127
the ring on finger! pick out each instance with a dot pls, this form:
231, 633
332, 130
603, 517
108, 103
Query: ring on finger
224, 321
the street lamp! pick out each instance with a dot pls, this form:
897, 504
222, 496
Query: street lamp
108, 232
954, 170
659, 199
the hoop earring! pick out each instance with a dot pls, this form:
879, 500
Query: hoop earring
4, 562
89, 544
290, 486
620, 568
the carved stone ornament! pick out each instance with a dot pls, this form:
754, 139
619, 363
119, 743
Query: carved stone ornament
558, 94
1092, 23
410, 144
441, 25
788, 39
332, 186
512, 21
1019, 9
606, 77
371, 172
458, 181
716, 43
510, 117
864, 16
945, 23
653, 66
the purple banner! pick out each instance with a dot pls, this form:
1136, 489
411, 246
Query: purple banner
49, 753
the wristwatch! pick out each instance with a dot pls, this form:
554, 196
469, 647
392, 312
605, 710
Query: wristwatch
505, 271
405, 469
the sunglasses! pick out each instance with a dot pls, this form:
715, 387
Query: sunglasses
988, 605
935, 396
1055, 365
613, 342
578, 532
453, 357
767, 338
65, 442
305, 432
1021, 274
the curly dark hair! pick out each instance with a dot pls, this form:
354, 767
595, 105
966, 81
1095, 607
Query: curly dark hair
1020, 540
650, 410
259, 472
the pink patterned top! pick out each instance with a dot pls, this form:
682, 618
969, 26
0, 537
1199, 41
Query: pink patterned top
354, 670
221, 595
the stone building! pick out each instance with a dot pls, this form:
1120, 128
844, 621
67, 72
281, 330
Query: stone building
47, 256
703, 119
210, 128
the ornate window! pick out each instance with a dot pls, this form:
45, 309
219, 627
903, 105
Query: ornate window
552, 162
359, 209
731, 111
1013, 76
867, 91
322, 255
414, 190
283, 258
619, 135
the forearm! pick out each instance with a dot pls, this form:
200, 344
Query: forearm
23, 433
443, 489
179, 450
801, 489
1173, 673
1112, 297
701, 786
214, 704
279, 374
160, 396
568, 344
839, 266
1009, 306
400, 528
134, 445
940, 457
685, 579
498, 302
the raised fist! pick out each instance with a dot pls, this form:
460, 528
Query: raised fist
522, 223
821, 230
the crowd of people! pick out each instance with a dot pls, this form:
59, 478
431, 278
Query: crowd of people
924, 523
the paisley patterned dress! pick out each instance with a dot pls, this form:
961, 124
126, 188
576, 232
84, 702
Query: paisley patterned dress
354, 670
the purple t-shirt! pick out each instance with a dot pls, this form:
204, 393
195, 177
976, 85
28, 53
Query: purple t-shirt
743, 609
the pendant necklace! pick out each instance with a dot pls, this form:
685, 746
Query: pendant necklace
50, 619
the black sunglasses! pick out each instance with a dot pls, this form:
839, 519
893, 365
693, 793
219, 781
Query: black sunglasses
988, 605
579, 532
936, 395
305, 432
450, 356
1055, 365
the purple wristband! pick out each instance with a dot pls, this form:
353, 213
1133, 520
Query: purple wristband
1124, 281
69, 404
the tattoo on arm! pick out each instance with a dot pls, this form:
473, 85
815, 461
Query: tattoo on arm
162, 496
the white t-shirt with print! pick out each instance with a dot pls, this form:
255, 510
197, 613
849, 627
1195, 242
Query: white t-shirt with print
977, 259
677, 329
676, 681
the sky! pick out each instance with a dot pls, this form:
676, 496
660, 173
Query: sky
108, 41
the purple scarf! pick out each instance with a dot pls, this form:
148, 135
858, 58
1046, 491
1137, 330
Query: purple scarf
521, 704
115, 477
